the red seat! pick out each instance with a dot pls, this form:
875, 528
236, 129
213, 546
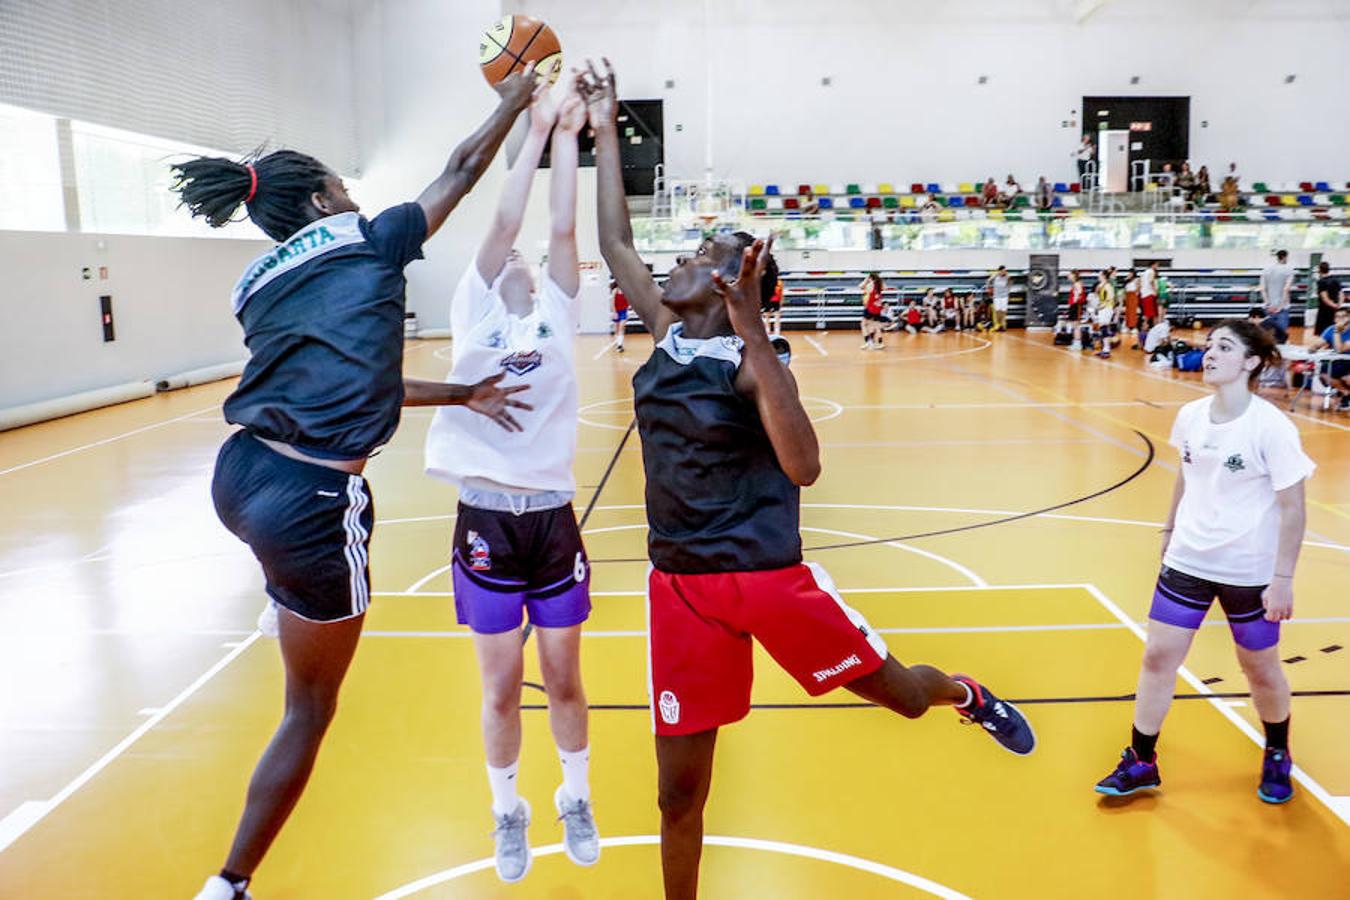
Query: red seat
972, 200
1306, 187
791, 203
917, 188
1075, 188
874, 203
1272, 200
804, 190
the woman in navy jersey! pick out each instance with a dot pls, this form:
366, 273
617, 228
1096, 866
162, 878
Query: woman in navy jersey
726, 447
322, 314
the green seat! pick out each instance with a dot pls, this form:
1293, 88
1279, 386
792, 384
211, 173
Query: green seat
1021, 202
1338, 199
757, 203
853, 189
1260, 188
890, 202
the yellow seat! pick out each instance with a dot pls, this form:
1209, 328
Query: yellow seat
1289, 200
966, 187
947, 215
885, 188
820, 190
907, 201
996, 215
756, 190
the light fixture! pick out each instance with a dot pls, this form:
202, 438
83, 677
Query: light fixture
1134, 79
1289, 79
983, 79
826, 81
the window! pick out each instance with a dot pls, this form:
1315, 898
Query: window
30, 172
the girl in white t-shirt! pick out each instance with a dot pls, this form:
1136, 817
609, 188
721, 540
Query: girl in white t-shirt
517, 547
1233, 533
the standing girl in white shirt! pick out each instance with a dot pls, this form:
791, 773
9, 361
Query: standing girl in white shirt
1233, 532
517, 547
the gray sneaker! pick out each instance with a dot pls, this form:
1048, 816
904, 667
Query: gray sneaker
580, 839
512, 845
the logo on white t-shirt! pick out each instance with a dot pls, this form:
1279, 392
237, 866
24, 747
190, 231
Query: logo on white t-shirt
670, 708
523, 361
1234, 463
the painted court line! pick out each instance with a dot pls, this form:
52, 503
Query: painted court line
107, 440
1340, 806
817, 344
32, 815
710, 840
605, 349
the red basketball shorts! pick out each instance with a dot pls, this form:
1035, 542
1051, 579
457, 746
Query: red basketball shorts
699, 629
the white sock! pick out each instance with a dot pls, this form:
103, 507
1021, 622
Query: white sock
576, 766
505, 799
970, 696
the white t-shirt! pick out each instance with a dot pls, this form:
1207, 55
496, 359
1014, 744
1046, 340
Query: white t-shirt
535, 350
1228, 524
1157, 336
1275, 278
1002, 288
1148, 283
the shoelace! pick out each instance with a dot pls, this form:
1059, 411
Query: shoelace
508, 824
583, 822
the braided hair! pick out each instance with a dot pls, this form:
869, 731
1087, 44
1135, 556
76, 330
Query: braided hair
274, 189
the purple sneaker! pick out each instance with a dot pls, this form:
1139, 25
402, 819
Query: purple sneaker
1275, 785
1132, 774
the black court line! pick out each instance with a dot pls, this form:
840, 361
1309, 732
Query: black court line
1148, 461
590, 507
1022, 701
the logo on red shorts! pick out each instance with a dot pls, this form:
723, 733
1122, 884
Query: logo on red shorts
670, 708
844, 664
480, 554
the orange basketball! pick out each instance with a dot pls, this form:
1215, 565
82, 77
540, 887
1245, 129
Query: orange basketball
515, 42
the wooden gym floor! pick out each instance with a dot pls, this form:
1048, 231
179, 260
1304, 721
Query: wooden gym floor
137, 695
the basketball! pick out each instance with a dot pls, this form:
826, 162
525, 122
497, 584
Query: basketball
516, 41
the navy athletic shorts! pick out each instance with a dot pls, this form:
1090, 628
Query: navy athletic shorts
504, 564
308, 525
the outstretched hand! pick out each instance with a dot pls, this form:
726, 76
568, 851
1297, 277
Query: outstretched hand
742, 296
600, 93
487, 399
572, 109
520, 88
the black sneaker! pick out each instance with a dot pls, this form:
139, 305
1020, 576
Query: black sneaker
1004, 722
1132, 774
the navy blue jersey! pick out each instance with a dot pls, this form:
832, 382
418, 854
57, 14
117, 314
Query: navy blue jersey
323, 320
717, 499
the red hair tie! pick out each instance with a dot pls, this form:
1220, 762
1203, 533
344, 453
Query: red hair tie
253, 182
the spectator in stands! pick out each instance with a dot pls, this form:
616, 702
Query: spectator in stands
1230, 196
1328, 297
968, 311
1277, 285
930, 310
951, 311
1202, 188
929, 211
1000, 290
1186, 181
1233, 174
989, 194
1336, 337
1011, 191
1086, 152
1045, 195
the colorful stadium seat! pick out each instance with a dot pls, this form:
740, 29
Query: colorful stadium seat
1061, 187
825, 203
1338, 199
756, 190
1260, 188
771, 190
1289, 199
774, 201
856, 202
916, 188
885, 188
1306, 187
890, 202
934, 187
853, 189
907, 201
954, 201
821, 189
1272, 200
757, 202
874, 203
1305, 200
791, 203
972, 200
803, 190
1322, 186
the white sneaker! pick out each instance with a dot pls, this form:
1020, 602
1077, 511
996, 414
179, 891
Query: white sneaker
581, 841
267, 620
217, 888
512, 850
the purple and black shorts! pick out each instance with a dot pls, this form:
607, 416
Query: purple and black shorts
1182, 600
505, 564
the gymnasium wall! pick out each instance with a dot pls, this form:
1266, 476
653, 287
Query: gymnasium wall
904, 102
171, 305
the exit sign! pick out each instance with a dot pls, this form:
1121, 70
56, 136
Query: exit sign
1141, 126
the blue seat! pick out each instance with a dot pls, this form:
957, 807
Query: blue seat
1305, 200
955, 201
826, 203
1272, 215
1057, 202
857, 202
934, 187
1323, 186
771, 190
1061, 187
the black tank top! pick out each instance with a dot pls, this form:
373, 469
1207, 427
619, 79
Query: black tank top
717, 500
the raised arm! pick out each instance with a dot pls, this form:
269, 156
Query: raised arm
763, 377
562, 195
505, 227
470, 159
485, 398
616, 231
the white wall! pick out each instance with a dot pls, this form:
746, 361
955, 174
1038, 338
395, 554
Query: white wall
904, 104
171, 306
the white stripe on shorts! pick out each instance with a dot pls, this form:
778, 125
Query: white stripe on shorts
355, 549
826, 584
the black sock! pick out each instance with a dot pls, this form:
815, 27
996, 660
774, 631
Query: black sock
1143, 744
238, 882
1277, 735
